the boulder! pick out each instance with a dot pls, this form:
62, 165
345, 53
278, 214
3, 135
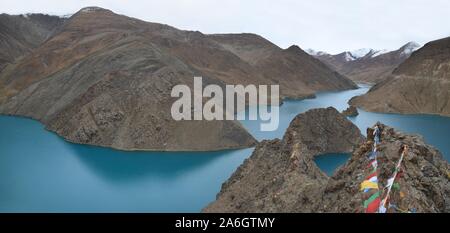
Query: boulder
351, 111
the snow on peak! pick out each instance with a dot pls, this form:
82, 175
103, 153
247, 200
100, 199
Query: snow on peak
313, 52
349, 56
406, 49
66, 16
376, 53
366, 52
27, 15
410, 47
360, 52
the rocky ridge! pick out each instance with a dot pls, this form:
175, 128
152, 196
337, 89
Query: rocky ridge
281, 176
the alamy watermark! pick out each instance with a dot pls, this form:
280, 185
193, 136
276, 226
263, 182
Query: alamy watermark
220, 106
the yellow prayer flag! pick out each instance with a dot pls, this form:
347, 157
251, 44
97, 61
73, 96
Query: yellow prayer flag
367, 184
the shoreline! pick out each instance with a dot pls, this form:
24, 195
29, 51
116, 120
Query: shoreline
285, 98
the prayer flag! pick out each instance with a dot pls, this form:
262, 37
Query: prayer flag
375, 197
369, 184
371, 175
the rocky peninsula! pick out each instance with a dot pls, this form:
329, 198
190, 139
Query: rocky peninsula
281, 175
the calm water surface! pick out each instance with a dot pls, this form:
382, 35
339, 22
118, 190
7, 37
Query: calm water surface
329, 162
40, 172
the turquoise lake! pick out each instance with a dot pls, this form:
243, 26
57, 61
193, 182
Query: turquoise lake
329, 162
40, 172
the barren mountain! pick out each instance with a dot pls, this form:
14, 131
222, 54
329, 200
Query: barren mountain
370, 66
105, 79
298, 74
421, 84
21, 33
100, 80
281, 175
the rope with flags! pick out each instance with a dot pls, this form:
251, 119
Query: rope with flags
372, 204
390, 182
375, 203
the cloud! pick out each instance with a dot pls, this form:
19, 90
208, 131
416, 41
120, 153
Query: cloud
327, 25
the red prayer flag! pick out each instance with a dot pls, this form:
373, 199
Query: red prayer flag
373, 206
371, 175
370, 163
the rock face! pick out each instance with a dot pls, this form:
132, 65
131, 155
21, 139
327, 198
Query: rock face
281, 176
351, 111
372, 67
421, 84
105, 79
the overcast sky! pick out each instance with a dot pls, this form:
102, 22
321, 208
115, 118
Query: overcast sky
327, 25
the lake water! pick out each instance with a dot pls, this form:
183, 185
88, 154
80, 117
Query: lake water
40, 172
329, 162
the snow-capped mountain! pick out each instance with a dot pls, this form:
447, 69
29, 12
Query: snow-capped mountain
367, 65
378, 52
313, 52
365, 52
348, 56
359, 53
410, 48
351, 55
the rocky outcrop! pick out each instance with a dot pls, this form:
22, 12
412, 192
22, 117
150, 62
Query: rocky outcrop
423, 186
351, 111
105, 79
281, 176
421, 84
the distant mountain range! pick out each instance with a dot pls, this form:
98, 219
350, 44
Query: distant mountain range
105, 79
366, 65
411, 79
421, 84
